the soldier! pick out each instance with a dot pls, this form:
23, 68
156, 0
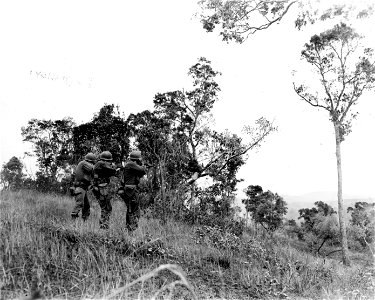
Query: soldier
133, 171
103, 170
83, 177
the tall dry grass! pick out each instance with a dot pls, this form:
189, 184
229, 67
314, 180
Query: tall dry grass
43, 249
69, 259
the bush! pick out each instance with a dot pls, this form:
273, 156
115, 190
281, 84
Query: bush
227, 224
294, 231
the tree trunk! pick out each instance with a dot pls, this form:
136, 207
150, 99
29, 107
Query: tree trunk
325, 239
162, 190
344, 241
193, 205
162, 183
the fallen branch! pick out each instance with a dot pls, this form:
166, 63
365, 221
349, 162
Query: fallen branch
334, 251
173, 268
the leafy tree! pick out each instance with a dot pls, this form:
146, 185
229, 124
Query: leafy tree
292, 229
217, 200
189, 111
226, 151
167, 152
266, 208
177, 139
208, 152
326, 228
220, 196
11, 174
363, 218
170, 144
203, 151
107, 131
362, 213
324, 208
309, 214
311, 12
319, 221
342, 81
160, 145
52, 142
214, 205
238, 19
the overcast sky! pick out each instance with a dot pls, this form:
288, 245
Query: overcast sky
68, 58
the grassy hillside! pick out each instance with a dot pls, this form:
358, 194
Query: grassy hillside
42, 249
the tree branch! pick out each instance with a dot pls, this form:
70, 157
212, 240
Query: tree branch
202, 174
324, 81
307, 100
342, 65
325, 239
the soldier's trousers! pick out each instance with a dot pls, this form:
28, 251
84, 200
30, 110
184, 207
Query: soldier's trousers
133, 211
82, 203
104, 196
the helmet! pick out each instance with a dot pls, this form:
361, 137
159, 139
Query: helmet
106, 155
90, 157
135, 155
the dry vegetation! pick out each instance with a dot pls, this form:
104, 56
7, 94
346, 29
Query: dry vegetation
42, 249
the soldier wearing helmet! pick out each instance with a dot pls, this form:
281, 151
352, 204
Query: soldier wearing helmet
83, 177
132, 172
103, 170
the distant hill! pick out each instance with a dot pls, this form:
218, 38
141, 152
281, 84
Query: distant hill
307, 200
295, 203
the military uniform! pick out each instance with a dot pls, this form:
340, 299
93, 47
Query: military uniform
103, 170
132, 173
83, 177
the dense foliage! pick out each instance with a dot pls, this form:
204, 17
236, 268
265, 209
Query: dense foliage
266, 208
362, 222
107, 131
52, 144
11, 174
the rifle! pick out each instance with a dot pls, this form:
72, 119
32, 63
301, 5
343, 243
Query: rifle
120, 167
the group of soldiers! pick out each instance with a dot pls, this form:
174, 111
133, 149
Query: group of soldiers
95, 173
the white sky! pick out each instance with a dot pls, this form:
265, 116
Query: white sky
124, 52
